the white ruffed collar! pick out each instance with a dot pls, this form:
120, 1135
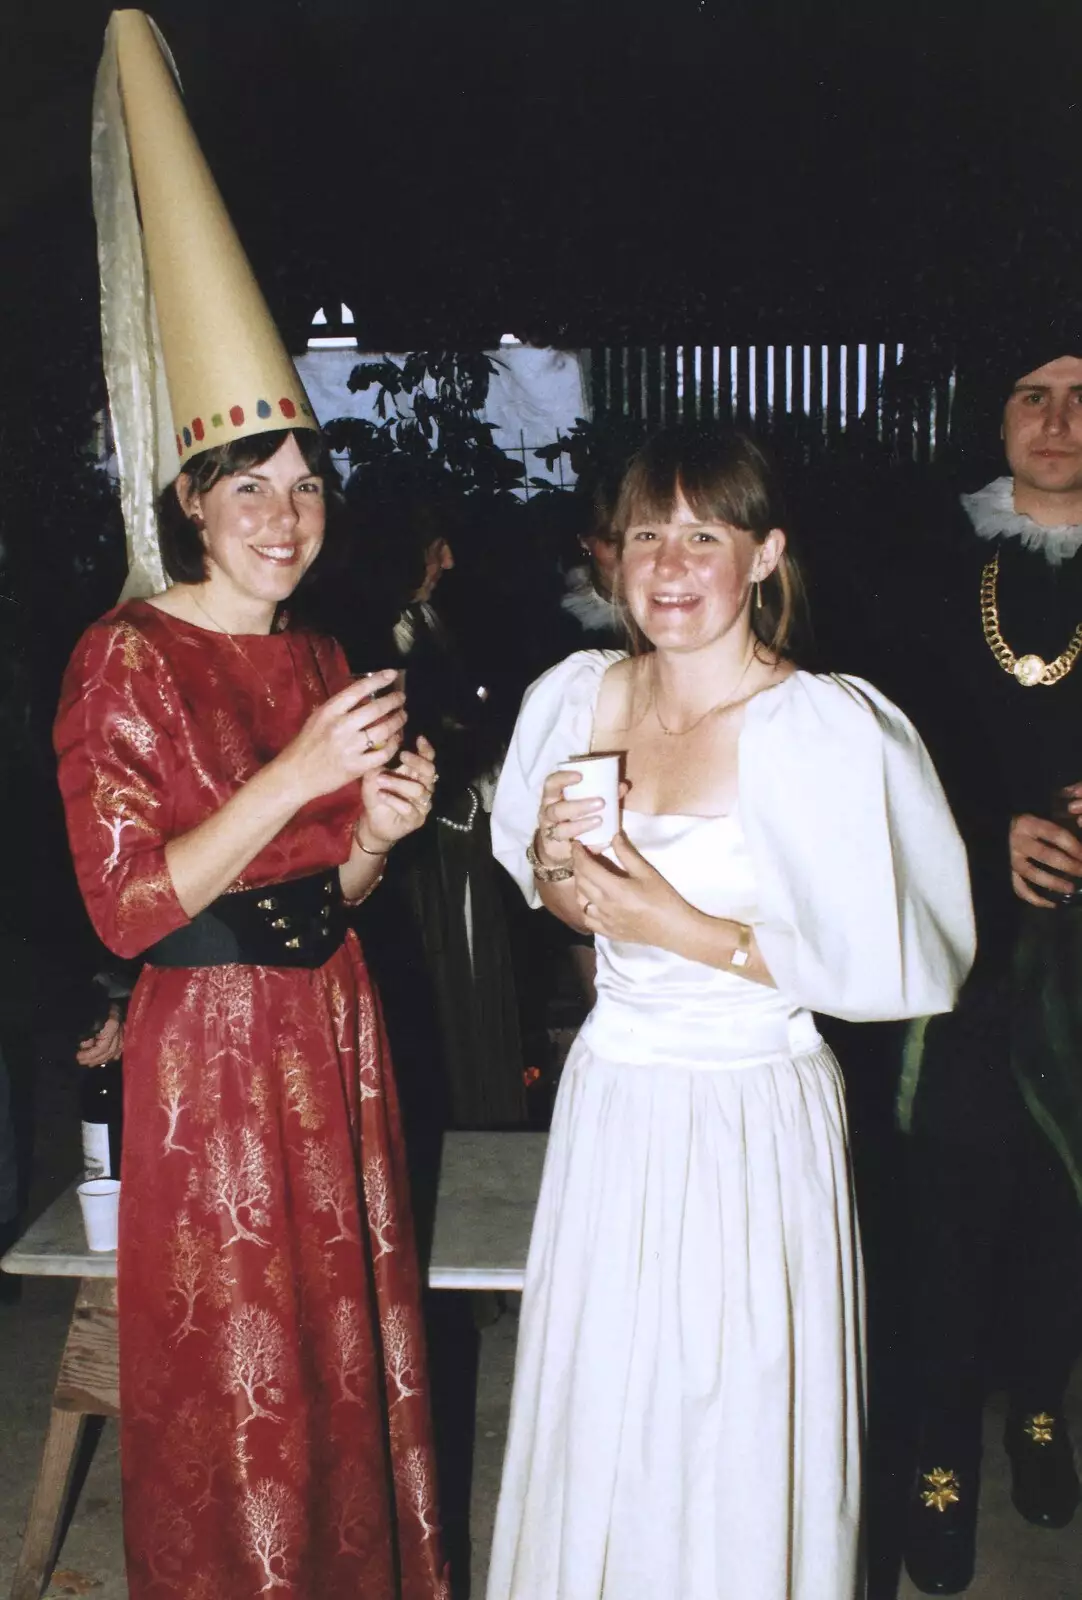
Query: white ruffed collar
991, 511
590, 610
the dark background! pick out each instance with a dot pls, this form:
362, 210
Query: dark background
585, 172
577, 172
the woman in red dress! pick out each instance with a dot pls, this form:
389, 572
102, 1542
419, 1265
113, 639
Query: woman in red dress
227, 787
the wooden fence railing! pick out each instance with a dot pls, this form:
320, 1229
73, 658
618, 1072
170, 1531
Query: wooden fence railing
812, 398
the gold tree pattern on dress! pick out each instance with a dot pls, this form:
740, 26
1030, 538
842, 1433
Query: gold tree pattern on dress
227, 1002
137, 732
340, 1016
293, 1447
253, 1358
296, 1074
200, 1587
350, 1347
137, 896
232, 746
276, 1276
353, 1511
377, 1194
168, 1541
416, 1479
119, 804
272, 1516
174, 1070
368, 1043
330, 1187
198, 1447
147, 1370
189, 1269
398, 1351
237, 1182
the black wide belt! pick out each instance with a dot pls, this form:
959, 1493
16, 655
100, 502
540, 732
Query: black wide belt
296, 924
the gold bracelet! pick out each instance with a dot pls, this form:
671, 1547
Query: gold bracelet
742, 954
383, 854
545, 874
373, 886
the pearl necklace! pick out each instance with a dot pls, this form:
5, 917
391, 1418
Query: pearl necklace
242, 653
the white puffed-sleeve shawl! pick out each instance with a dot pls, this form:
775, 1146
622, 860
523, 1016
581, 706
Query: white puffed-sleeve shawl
555, 721
863, 891
864, 904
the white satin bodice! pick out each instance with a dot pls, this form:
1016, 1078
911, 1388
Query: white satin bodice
657, 1008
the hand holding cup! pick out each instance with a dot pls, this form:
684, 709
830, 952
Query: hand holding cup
354, 732
580, 800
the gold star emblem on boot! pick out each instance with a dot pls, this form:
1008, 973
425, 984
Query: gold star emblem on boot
1039, 1427
941, 1489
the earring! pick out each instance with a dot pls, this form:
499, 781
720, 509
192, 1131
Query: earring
758, 595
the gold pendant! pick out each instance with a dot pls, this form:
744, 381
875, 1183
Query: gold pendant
1029, 670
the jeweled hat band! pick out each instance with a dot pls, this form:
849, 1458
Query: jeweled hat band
237, 421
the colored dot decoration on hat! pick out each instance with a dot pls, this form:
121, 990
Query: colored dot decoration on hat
198, 429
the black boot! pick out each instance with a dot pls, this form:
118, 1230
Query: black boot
1044, 1483
941, 1526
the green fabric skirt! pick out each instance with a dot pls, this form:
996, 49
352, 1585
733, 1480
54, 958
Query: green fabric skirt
1046, 1036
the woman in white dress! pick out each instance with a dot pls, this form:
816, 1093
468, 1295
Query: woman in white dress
688, 1406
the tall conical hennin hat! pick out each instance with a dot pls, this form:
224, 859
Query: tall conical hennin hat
192, 357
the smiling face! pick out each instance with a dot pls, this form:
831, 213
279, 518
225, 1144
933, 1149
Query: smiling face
1042, 431
261, 529
688, 582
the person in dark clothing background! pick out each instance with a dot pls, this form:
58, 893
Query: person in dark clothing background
981, 636
446, 892
438, 940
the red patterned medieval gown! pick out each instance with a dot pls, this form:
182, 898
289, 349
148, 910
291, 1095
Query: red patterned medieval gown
274, 1411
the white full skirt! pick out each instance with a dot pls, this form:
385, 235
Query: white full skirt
687, 1413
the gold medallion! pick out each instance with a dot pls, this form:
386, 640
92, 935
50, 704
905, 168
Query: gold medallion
1029, 670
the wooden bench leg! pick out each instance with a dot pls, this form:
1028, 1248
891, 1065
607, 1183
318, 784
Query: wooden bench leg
88, 1384
47, 1507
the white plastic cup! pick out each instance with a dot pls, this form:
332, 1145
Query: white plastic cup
600, 781
99, 1200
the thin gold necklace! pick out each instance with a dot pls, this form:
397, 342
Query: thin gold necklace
678, 733
1029, 670
242, 653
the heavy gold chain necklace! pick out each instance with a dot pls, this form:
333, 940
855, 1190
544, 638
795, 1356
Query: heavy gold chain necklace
1027, 670
242, 653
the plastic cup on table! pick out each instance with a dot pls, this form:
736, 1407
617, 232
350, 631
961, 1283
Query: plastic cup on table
99, 1201
600, 781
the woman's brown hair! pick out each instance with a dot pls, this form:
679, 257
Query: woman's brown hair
723, 476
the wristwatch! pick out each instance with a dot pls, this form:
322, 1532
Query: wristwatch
545, 874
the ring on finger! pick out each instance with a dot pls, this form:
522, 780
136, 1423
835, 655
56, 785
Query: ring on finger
550, 831
367, 741
588, 908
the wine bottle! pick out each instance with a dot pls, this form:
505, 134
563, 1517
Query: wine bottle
101, 1110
